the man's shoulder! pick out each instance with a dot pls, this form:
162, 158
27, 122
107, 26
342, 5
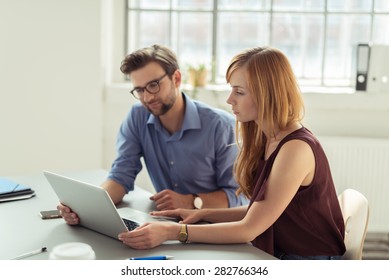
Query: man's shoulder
137, 115
138, 107
138, 110
213, 113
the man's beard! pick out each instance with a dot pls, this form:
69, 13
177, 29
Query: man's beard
166, 106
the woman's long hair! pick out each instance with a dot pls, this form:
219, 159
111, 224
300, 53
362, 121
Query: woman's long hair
275, 92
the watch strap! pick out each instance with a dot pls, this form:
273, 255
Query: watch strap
183, 235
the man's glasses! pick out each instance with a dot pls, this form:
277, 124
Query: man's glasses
152, 88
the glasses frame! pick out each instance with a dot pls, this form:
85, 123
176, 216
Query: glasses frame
136, 91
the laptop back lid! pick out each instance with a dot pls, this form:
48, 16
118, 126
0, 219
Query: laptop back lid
92, 204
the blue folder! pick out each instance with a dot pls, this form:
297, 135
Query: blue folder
10, 190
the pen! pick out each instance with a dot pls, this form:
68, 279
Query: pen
153, 258
29, 254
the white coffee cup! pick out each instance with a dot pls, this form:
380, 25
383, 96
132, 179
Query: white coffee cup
72, 251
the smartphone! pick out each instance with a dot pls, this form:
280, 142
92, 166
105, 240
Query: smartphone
50, 214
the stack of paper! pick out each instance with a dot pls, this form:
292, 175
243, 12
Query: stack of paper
10, 190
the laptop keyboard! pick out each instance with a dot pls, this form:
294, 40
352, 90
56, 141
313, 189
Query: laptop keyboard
131, 225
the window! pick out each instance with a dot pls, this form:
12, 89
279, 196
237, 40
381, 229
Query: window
318, 36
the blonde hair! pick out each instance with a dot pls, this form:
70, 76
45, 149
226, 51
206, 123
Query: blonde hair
276, 94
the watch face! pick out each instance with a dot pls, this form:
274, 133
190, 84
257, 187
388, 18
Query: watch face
182, 236
198, 202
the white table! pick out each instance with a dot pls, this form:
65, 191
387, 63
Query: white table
22, 230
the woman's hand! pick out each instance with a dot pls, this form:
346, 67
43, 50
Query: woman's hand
150, 235
187, 216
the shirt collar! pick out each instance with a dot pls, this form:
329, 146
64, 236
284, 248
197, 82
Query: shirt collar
191, 117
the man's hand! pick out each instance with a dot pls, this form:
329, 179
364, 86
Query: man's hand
168, 200
70, 217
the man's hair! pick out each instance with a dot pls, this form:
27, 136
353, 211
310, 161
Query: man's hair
162, 55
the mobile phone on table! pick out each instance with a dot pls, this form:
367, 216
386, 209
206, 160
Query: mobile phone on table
50, 214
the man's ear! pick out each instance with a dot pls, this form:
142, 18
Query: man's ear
177, 78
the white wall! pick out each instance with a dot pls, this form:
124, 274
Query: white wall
50, 85
351, 115
55, 112
354, 115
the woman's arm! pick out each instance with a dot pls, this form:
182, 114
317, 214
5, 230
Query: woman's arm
293, 167
218, 215
224, 214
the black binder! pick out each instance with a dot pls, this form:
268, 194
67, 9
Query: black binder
363, 57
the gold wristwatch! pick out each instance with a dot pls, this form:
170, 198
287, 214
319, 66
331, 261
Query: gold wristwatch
183, 235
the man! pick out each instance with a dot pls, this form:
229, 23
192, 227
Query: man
186, 144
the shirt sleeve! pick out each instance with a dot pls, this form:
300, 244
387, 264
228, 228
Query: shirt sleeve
129, 151
226, 152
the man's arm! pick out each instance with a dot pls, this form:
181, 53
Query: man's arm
168, 200
216, 199
226, 152
115, 190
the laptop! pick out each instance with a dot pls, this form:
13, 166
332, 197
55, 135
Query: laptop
94, 206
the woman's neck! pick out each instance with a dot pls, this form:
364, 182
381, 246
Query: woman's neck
272, 140
279, 134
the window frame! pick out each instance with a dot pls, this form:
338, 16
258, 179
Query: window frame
349, 88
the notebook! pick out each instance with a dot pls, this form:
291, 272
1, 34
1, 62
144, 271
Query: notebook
94, 206
10, 190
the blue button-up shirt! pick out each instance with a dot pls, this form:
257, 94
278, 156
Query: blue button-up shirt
195, 159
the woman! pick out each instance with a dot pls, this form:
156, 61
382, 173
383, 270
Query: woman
294, 211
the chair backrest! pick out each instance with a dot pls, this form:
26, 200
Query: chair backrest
355, 210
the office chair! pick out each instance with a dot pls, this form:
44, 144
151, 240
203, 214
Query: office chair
355, 210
